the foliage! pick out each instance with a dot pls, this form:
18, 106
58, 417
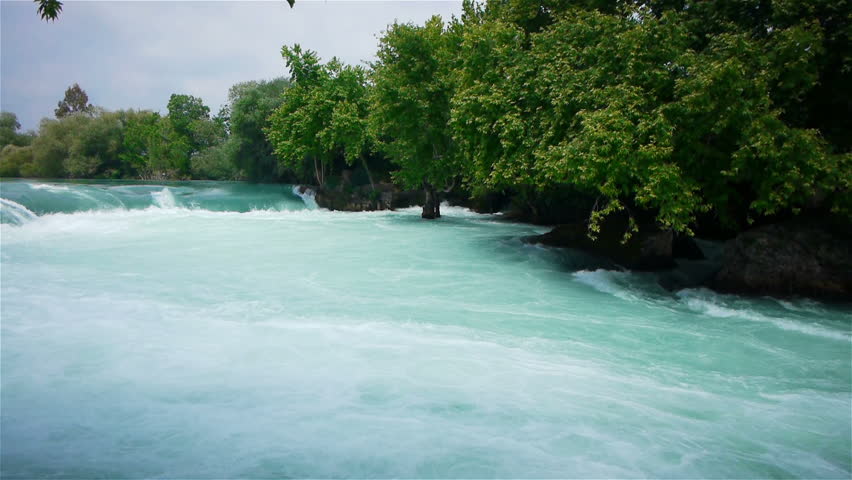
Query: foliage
49, 9
410, 101
250, 105
682, 111
10, 131
677, 110
16, 161
93, 146
322, 117
188, 129
75, 101
142, 136
184, 110
215, 163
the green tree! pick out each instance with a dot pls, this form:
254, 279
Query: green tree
10, 131
140, 140
215, 163
294, 126
9, 127
75, 101
170, 152
250, 106
16, 161
52, 145
189, 130
95, 147
410, 107
184, 110
323, 116
662, 109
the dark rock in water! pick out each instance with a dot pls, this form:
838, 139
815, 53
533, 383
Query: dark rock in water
491, 202
383, 196
649, 249
792, 258
406, 198
686, 247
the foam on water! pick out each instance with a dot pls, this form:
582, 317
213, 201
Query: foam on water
307, 195
709, 303
50, 188
45, 198
14, 213
193, 334
605, 281
164, 198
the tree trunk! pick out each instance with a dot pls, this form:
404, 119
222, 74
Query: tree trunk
317, 174
369, 175
432, 206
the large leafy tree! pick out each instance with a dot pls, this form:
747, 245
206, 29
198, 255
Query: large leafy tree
674, 108
184, 110
9, 127
323, 116
16, 161
10, 131
142, 137
75, 101
294, 126
410, 107
189, 129
250, 105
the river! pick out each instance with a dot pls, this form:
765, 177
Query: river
209, 330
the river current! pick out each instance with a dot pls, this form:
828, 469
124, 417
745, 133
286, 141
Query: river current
211, 330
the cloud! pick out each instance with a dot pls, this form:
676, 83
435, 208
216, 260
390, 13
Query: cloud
136, 54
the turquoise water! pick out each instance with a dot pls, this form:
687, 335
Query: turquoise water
209, 330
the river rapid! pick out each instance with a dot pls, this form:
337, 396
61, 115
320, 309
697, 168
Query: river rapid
210, 330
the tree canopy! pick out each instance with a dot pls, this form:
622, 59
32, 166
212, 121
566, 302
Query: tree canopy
684, 112
75, 101
322, 117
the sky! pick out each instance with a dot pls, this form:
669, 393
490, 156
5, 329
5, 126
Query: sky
136, 54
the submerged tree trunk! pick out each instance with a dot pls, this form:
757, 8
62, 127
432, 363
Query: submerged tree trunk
432, 206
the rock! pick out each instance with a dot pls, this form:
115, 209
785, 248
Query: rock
364, 198
649, 249
685, 247
792, 258
406, 198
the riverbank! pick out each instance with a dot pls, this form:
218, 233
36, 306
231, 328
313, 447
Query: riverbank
807, 258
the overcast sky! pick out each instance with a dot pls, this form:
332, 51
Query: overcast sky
136, 54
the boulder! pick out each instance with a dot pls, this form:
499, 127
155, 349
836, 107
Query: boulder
649, 249
366, 198
791, 258
685, 247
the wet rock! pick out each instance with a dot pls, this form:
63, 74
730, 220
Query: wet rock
792, 258
649, 249
686, 247
383, 196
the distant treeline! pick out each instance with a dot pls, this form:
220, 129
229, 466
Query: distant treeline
89, 142
732, 110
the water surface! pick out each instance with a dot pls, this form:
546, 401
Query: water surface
202, 329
